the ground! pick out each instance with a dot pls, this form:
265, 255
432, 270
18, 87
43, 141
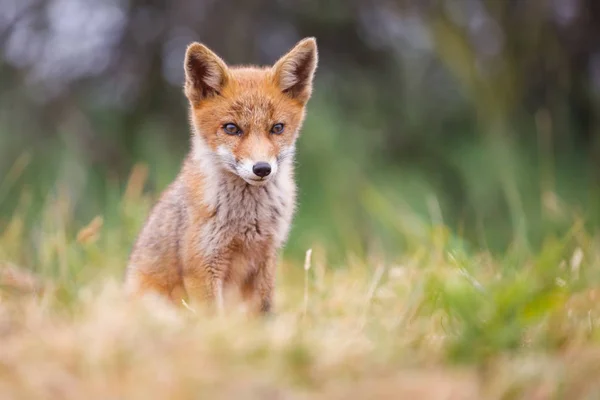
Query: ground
435, 321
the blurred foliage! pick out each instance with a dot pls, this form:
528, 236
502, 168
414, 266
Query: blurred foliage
483, 115
514, 326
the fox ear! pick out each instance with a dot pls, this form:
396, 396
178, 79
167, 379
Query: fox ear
205, 73
294, 71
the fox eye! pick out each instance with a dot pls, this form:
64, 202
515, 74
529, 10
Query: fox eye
232, 129
277, 129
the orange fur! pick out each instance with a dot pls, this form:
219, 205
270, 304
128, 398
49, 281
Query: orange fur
219, 226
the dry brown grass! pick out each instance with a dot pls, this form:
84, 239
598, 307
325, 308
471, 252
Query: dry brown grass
440, 323
100, 346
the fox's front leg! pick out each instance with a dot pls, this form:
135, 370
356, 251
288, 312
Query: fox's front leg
205, 284
259, 287
215, 290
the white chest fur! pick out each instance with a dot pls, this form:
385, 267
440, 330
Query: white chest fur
250, 215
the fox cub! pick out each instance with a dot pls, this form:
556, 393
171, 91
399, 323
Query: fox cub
218, 227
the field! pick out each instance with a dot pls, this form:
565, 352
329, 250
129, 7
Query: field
435, 321
446, 243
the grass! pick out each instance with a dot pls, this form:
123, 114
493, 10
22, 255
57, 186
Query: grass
437, 321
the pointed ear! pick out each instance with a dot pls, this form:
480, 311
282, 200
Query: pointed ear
294, 71
205, 73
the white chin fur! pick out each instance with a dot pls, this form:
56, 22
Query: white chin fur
255, 182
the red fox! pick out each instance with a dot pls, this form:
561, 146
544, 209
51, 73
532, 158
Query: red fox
219, 225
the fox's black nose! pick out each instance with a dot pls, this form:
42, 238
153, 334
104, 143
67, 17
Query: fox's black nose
261, 169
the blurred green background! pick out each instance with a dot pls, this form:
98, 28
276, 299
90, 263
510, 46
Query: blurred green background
481, 115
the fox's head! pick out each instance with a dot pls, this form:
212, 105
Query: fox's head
246, 119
